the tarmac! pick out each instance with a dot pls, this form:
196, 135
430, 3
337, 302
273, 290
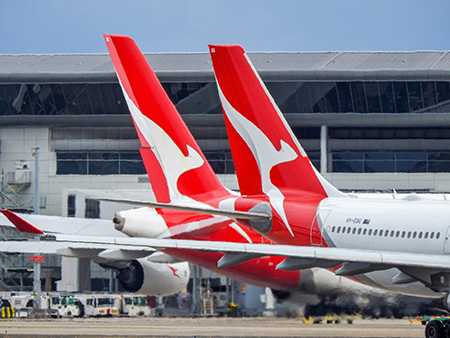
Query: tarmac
204, 327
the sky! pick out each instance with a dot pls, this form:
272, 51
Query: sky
76, 26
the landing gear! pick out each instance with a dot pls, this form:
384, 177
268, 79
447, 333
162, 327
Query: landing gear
437, 329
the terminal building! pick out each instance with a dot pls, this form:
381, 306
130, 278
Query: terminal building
369, 121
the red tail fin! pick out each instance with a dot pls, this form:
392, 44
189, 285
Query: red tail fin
260, 138
174, 162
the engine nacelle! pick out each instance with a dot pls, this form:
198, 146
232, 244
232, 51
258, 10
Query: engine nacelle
157, 279
141, 222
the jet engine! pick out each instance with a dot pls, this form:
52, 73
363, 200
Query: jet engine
157, 279
135, 222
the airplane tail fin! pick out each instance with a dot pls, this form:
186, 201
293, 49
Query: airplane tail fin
174, 162
261, 140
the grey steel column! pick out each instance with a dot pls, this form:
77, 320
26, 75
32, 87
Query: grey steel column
323, 149
35, 152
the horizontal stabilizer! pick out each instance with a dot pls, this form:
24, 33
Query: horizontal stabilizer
191, 208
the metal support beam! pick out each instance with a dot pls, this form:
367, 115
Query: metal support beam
323, 149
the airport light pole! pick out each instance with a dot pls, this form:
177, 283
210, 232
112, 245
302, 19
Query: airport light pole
37, 263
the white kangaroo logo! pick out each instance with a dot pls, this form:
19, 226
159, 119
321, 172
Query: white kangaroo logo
174, 163
264, 152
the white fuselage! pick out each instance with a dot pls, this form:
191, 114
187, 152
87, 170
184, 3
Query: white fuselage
404, 226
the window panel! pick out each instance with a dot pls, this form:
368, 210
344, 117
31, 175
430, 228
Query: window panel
95, 99
386, 166
71, 156
10, 96
132, 168
73, 108
439, 167
345, 97
429, 95
386, 97
107, 97
71, 167
443, 95
401, 97
103, 167
411, 156
103, 156
347, 166
411, 166
58, 99
373, 97
415, 96
347, 156
230, 167
359, 97
119, 99
331, 99
317, 97
379, 156
304, 98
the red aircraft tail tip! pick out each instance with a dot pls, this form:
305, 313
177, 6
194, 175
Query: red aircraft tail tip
20, 223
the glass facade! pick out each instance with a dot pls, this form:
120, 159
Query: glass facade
115, 163
201, 97
390, 162
96, 163
293, 97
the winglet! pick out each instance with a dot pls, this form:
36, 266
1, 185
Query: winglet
20, 223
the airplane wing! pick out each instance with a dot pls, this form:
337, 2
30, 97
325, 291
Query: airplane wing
303, 255
69, 249
349, 262
75, 249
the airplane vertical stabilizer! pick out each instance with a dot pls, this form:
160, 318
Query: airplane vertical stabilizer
173, 160
261, 140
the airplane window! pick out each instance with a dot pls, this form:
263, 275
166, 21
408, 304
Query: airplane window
333, 228
392, 233
397, 234
432, 235
420, 234
426, 235
403, 234
438, 235
381, 232
409, 234
365, 231
386, 233
338, 229
349, 230
414, 234
354, 230
359, 231
370, 232
343, 230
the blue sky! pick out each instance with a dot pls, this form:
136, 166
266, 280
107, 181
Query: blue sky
76, 26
